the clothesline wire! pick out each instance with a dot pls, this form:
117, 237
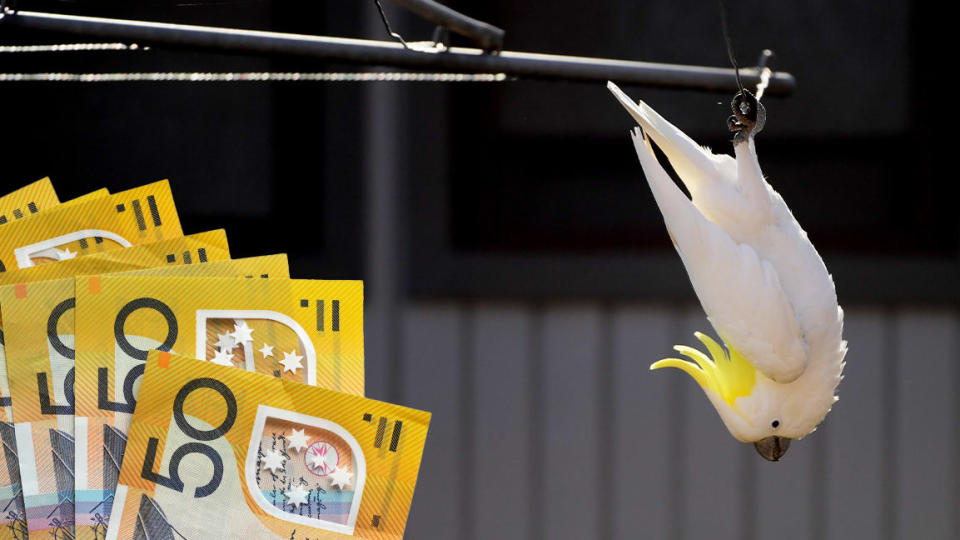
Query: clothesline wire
202, 76
363, 76
198, 76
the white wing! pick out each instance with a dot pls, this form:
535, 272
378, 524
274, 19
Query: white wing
696, 165
740, 293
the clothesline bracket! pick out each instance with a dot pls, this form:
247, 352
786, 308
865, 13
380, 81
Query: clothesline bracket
437, 58
485, 36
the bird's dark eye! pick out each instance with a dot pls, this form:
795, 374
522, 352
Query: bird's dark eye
776, 423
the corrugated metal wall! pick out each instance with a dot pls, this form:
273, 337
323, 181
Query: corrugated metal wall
548, 424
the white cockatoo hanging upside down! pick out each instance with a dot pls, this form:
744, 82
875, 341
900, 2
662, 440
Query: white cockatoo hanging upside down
762, 284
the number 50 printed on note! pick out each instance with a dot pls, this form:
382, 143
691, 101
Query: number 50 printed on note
220, 453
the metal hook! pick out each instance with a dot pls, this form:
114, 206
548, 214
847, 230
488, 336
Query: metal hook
749, 115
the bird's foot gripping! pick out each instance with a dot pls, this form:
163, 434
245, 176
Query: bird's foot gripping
748, 117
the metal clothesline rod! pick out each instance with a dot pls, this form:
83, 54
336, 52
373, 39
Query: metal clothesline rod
486, 36
387, 53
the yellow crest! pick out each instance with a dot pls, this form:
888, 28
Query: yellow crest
729, 375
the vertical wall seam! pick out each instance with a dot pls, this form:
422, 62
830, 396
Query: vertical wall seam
748, 495
537, 436
606, 422
956, 423
383, 235
819, 510
676, 443
466, 323
889, 459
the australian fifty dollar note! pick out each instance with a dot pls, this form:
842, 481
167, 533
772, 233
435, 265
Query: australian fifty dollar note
219, 453
307, 331
51, 232
26, 201
93, 223
39, 323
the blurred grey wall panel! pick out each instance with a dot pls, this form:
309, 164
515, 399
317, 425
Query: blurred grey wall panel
631, 454
641, 424
569, 416
854, 432
501, 501
927, 360
431, 337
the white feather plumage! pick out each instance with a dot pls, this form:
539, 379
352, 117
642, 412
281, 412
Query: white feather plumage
762, 284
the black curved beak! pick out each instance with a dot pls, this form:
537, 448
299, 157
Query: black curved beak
772, 448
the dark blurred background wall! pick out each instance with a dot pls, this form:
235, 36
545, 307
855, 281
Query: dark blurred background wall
519, 281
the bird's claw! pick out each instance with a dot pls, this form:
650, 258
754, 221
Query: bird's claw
748, 117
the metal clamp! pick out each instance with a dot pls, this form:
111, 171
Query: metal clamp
486, 36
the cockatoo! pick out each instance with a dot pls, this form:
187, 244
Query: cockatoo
762, 284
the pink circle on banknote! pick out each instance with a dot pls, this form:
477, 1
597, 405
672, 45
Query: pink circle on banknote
321, 458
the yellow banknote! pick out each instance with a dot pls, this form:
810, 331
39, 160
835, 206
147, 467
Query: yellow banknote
95, 224
200, 247
218, 454
296, 330
39, 330
24, 202
28, 200
102, 423
174, 251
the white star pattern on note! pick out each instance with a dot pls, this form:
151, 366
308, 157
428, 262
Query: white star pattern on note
242, 333
65, 254
272, 461
267, 350
298, 440
222, 357
296, 496
340, 478
291, 361
226, 342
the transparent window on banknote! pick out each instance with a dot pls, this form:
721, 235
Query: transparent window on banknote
68, 246
240, 338
318, 461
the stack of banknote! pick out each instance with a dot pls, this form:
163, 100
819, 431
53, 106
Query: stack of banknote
151, 387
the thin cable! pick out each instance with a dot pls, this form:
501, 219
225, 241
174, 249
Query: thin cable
389, 76
729, 42
383, 17
70, 47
